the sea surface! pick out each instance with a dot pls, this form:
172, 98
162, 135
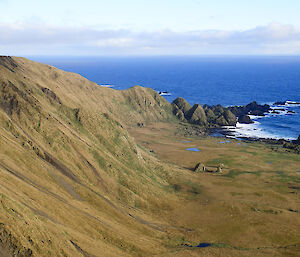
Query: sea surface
206, 80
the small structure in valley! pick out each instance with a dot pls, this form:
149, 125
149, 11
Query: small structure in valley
200, 167
220, 167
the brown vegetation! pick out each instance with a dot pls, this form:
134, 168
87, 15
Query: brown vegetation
79, 177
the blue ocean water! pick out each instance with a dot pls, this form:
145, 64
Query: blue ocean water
205, 80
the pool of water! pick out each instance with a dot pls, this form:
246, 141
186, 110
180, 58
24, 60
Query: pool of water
202, 245
193, 149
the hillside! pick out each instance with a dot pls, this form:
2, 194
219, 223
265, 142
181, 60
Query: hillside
90, 171
70, 171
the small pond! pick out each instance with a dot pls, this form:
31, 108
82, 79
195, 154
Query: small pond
193, 149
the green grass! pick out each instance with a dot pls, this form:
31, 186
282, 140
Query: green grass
234, 173
283, 177
225, 160
100, 160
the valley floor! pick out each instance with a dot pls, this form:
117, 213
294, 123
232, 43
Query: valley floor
251, 209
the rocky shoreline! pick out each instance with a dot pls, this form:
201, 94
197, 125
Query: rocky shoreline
211, 120
293, 145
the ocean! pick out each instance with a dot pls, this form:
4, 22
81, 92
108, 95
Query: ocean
206, 80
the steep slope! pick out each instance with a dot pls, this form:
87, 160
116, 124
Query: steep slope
73, 182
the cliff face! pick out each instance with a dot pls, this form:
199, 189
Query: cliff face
71, 175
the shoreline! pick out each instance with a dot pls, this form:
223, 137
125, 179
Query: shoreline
253, 121
293, 145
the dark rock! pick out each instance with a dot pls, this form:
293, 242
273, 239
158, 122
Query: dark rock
256, 109
253, 108
238, 110
257, 113
245, 119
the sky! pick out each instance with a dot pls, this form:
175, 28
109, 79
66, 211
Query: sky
152, 27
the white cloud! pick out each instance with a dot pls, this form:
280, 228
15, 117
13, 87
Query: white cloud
22, 39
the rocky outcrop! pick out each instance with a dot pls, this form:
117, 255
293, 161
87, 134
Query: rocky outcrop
252, 108
179, 114
182, 104
256, 109
229, 117
51, 95
221, 121
196, 115
211, 117
206, 116
245, 119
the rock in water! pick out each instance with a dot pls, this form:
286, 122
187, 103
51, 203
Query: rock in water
245, 119
200, 167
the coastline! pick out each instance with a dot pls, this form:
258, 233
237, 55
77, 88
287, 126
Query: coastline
290, 145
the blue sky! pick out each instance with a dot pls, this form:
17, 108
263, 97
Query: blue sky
132, 27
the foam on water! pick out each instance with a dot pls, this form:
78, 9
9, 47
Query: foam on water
270, 126
253, 131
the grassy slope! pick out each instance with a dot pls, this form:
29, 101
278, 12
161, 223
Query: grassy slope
69, 169
75, 183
